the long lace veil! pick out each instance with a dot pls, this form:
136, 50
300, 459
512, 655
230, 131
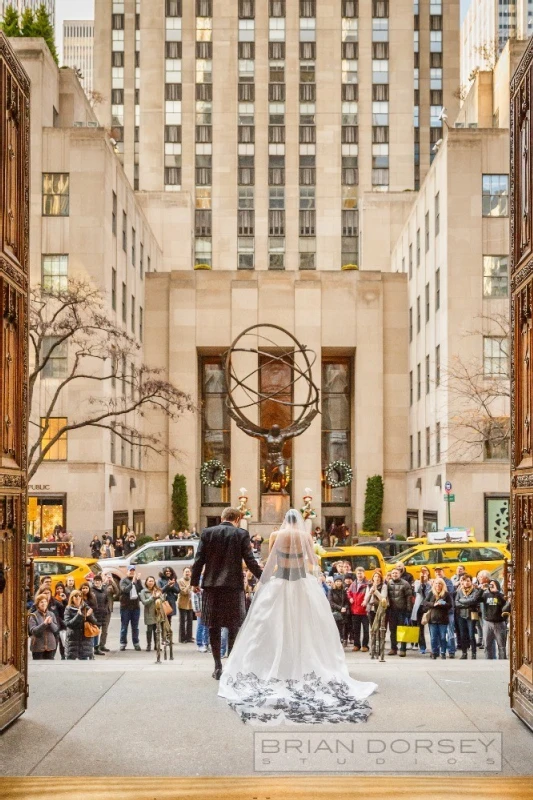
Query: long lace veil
292, 555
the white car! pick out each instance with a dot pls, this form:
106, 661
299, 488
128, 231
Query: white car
152, 558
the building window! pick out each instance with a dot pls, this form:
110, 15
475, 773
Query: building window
496, 356
114, 289
336, 421
418, 247
133, 313
203, 251
56, 194
418, 381
495, 276
419, 450
411, 453
437, 365
307, 253
54, 357
124, 231
276, 252
141, 261
411, 324
124, 303
54, 273
427, 231
437, 290
427, 375
410, 261
428, 447
113, 449
411, 388
51, 427
133, 247
245, 252
437, 214
437, 442
495, 195
496, 440
418, 314
141, 324
114, 215
427, 302
216, 425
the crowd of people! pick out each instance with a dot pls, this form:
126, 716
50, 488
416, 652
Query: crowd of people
126, 544
464, 613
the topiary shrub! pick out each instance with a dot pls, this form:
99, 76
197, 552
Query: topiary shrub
180, 504
373, 503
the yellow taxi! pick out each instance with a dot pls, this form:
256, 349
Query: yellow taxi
59, 568
473, 556
360, 556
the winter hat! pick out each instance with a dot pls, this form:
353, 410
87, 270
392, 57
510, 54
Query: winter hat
337, 577
131, 568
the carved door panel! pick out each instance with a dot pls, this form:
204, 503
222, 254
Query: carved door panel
14, 236
521, 267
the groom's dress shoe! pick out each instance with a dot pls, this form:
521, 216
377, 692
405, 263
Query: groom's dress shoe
217, 673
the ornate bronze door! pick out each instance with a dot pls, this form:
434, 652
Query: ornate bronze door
14, 238
521, 271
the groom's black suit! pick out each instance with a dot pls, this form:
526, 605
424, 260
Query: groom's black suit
221, 551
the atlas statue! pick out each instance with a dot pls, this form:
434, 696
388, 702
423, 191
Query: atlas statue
276, 472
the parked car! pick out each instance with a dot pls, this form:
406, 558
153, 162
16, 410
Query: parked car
60, 568
389, 548
364, 556
472, 555
151, 558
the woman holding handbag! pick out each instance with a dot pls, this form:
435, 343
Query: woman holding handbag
436, 609
149, 595
81, 630
168, 583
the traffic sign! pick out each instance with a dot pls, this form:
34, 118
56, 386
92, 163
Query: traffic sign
450, 498
447, 487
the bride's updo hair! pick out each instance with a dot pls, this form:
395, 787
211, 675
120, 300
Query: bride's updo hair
292, 517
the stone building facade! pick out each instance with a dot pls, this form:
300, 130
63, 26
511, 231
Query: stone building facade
93, 485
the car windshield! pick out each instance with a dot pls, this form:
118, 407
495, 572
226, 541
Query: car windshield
402, 556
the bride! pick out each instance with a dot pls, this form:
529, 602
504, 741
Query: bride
287, 664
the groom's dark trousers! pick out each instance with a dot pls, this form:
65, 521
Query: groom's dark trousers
220, 555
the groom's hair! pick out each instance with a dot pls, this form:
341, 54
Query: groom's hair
231, 515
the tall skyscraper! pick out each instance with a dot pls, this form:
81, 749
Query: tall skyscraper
273, 118
78, 45
34, 4
487, 27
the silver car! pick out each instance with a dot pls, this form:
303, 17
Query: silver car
152, 558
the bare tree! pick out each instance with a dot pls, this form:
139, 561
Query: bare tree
488, 53
479, 402
95, 98
70, 328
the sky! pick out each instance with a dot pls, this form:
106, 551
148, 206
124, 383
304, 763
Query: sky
71, 9
84, 9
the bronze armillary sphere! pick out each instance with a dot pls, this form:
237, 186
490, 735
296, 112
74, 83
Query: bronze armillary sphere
261, 341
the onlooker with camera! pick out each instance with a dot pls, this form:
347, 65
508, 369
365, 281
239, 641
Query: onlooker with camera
436, 610
110, 589
185, 607
400, 598
338, 600
422, 588
130, 609
149, 594
359, 617
493, 604
168, 583
467, 599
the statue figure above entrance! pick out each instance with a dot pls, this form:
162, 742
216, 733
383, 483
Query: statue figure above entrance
277, 380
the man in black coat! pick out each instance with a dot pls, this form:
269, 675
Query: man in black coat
220, 554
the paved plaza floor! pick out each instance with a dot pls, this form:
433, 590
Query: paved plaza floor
125, 715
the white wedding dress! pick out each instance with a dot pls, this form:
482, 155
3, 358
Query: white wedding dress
287, 664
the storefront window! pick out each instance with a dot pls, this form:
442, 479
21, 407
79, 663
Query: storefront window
45, 516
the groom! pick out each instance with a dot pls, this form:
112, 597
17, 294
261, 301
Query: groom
221, 551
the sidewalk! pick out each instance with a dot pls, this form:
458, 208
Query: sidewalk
125, 715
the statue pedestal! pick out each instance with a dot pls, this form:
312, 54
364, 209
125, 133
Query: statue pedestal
274, 507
